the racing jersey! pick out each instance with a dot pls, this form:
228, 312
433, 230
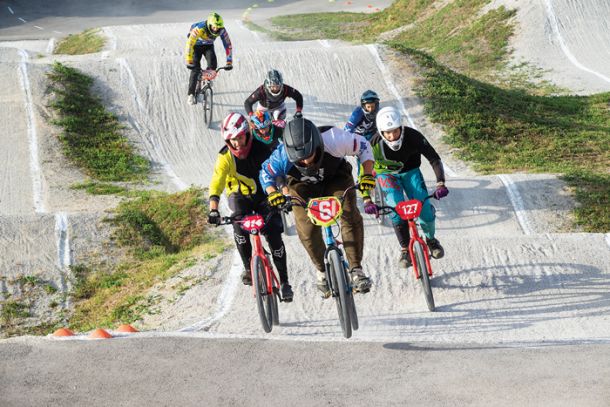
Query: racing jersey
239, 176
337, 145
273, 102
359, 124
408, 156
200, 35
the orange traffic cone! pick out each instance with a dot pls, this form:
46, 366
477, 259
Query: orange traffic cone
126, 328
99, 334
63, 332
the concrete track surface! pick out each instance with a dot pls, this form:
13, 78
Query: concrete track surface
523, 309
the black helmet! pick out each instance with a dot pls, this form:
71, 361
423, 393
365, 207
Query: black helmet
369, 96
274, 78
302, 139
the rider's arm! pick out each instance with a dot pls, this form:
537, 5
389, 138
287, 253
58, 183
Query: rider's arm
251, 100
435, 160
296, 95
226, 42
189, 48
219, 177
275, 168
354, 120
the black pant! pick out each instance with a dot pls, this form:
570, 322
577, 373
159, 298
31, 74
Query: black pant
243, 205
206, 50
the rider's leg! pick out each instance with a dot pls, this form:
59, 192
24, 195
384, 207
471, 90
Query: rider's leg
273, 234
309, 234
393, 193
241, 206
210, 56
415, 186
197, 54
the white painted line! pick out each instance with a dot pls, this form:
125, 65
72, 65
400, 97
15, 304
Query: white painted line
35, 170
387, 77
608, 239
51, 45
324, 43
225, 299
40, 28
181, 185
11, 10
564, 47
22, 20
517, 202
63, 240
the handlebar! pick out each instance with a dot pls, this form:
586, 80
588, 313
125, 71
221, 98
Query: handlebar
298, 201
227, 220
384, 210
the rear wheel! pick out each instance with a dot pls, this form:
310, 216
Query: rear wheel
208, 104
264, 301
340, 291
423, 274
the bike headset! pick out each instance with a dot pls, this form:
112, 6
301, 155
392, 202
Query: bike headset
235, 125
389, 119
262, 121
369, 96
274, 77
302, 139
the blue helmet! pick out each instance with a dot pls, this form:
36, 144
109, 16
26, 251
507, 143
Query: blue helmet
369, 96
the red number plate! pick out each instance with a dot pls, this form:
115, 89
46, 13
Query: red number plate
408, 210
252, 223
323, 211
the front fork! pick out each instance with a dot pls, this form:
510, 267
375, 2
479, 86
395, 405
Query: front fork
415, 237
331, 244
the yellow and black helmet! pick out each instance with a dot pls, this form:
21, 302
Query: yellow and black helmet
215, 23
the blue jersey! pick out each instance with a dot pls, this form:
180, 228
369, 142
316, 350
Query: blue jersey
359, 124
276, 166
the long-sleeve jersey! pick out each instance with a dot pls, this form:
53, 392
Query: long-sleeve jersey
414, 145
273, 102
200, 35
359, 124
337, 145
238, 176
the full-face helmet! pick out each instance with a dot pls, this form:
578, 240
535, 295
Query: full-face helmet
262, 126
274, 83
302, 140
369, 96
389, 119
235, 127
215, 23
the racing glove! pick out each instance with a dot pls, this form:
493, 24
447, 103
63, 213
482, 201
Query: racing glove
276, 198
366, 182
190, 66
214, 217
298, 115
229, 65
441, 191
370, 208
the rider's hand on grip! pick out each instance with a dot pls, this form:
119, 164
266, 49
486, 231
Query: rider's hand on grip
441, 192
276, 198
298, 115
214, 217
366, 183
229, 66
370, 208
190, 66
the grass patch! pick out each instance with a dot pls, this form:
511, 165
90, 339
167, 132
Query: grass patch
509, 130
100, 188
92, 136
12, 310
165, 233
87, 42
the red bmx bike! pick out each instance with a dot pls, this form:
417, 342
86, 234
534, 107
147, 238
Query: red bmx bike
418, 249
265, 282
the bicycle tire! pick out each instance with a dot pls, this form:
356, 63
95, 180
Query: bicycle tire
340, 291
423, 274
275, 300
264, 302
208, 105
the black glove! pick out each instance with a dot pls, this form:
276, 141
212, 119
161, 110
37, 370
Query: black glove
190, 66
214, 217
229, 66
298, 115
276, 198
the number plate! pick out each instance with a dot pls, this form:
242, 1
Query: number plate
408, 210
324, 211
252, 223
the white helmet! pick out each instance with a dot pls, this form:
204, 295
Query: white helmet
388, 119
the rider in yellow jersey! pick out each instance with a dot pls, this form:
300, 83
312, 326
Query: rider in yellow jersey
200, 42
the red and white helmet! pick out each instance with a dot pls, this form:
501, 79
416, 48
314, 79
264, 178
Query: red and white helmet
233, 126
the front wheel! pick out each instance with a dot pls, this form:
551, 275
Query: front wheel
379, 200
264, 301
341, 291
208, 104
424, 275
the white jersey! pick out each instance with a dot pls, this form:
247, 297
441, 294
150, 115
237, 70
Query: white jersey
340, 143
